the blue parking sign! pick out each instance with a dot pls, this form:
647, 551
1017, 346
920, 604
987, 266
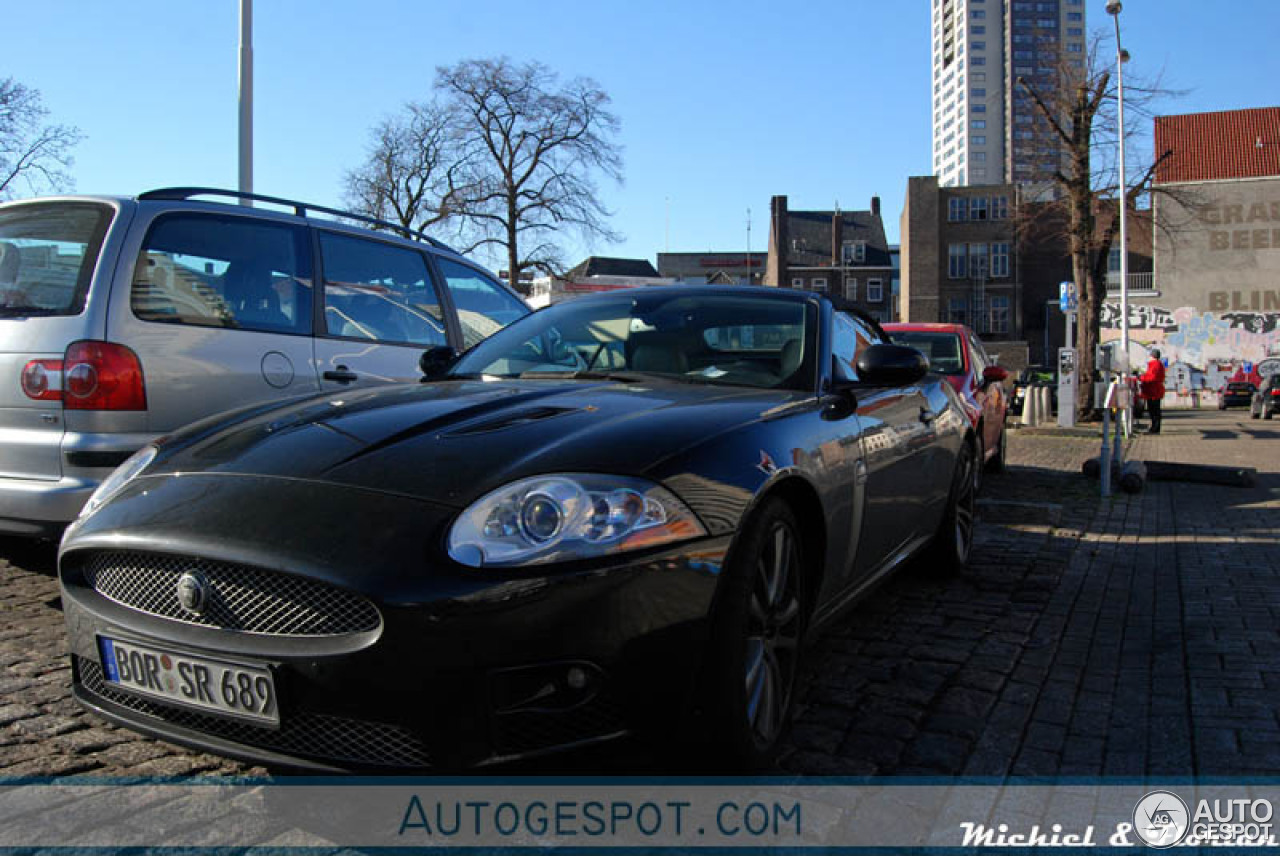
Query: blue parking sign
1067, 299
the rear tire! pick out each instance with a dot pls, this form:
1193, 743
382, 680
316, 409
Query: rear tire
953, 542
756, 639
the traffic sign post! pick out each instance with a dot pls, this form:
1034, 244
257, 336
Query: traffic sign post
1068, 302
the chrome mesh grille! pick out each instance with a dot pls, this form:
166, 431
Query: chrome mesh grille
239, 597
304, 735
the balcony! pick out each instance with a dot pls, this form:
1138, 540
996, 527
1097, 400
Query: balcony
1140, 285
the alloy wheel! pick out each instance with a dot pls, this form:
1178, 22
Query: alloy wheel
774, 618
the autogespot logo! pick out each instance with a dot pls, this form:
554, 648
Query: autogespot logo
1161, 819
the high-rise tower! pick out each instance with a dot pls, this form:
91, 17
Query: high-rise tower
986, 129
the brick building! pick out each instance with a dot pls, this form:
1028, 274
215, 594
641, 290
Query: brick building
958, 259
838, 252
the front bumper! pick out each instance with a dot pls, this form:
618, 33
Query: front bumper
41, 508
463, 668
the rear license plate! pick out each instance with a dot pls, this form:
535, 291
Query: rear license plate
227, 689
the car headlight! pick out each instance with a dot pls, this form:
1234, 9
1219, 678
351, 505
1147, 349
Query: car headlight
565, 517
122, 475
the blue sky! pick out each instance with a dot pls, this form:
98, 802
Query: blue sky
722, 104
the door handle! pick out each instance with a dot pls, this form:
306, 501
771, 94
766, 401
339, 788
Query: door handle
927, 415
341, 374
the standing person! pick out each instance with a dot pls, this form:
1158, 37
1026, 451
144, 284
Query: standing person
1152, 389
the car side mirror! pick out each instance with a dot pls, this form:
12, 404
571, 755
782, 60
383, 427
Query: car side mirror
993, 374
891, 365
436, 361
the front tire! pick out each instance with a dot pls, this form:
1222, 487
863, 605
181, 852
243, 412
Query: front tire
756, 640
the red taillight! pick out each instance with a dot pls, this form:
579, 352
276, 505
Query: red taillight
42, 380
1275, 392
103, 376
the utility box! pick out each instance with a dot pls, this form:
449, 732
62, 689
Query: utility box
1067, 382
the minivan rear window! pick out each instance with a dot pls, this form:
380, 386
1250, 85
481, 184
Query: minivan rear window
47, 256
210, 270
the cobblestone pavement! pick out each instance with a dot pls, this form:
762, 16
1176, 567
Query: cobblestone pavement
1134, 635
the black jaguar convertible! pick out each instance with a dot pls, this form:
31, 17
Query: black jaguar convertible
622, 514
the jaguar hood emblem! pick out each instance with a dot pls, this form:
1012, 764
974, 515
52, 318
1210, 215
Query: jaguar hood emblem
193, 592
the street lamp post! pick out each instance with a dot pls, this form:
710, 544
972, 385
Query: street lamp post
1122, 56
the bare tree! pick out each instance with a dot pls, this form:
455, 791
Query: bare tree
407, 177
1078, 109
33, 154
530, 152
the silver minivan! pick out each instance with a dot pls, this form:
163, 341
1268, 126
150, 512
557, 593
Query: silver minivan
124, 318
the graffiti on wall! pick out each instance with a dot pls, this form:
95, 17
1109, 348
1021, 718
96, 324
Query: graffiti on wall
1197, 338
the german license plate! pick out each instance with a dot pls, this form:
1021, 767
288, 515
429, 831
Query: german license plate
227, 689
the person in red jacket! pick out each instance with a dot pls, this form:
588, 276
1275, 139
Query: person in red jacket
1152, 389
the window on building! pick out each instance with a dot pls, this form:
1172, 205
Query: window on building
957, 310
978, 124
797, 282
957, 261
978, 14
851, 287
859, 251
999, 314
979, 264
978, 207
875, 291
978, 92
978, 108
1000, 259
981, 157
1075, 48
978, 140
978, 46
956, 209
979, 60
978, 172
978, 30
1113, 260
1046, 23
1075, 16
999, 208
1075, 31
978, 77
819, 283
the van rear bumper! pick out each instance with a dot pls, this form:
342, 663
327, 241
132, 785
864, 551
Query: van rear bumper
42, 508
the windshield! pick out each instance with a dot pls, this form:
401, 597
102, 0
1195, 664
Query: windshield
47, 254
942, 349
731, 339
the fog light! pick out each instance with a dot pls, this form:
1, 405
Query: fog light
577, 678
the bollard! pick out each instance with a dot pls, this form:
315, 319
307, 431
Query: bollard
1029, 408
1133, 475
1045, 403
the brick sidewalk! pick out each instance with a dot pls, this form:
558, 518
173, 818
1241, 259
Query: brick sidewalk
1136, 635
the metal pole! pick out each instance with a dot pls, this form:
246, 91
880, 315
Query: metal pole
1124, 192
246, 99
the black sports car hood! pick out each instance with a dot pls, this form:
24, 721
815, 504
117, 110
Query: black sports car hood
452, 441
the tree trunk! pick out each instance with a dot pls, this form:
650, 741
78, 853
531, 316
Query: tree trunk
513, 251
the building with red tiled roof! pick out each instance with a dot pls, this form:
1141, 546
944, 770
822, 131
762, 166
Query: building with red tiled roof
1229, 144
1214, 304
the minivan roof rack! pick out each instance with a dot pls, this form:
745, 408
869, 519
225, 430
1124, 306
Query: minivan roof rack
299, 208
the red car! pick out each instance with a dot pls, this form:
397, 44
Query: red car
955, 352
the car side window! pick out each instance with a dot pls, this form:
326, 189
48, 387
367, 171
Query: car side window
484, 307
217, 271
379, 292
